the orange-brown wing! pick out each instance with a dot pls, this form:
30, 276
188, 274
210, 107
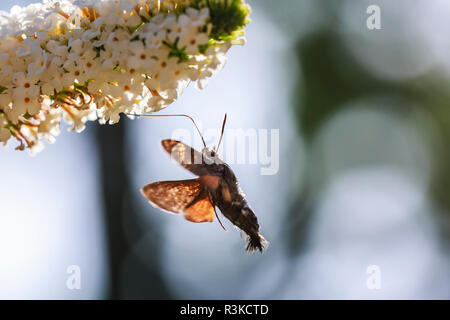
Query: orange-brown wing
201, 210
186, 156
172, 196
187, 196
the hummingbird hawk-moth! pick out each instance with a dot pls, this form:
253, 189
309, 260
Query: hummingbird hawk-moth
197, 199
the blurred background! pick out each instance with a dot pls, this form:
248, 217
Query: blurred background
364, 176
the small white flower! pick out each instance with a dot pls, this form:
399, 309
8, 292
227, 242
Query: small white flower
49, 127
198, 17
192, 39
139, 56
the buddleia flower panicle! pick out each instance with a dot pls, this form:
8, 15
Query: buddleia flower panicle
81, 60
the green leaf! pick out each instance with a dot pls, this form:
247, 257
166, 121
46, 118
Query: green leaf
203, 47
98, 49
78, 86
228, 17
3, 89
179, 53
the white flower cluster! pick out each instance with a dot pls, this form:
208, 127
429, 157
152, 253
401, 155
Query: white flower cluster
81, 60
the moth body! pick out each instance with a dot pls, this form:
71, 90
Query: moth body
216, 186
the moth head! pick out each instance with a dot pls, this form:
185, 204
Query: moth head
209, 153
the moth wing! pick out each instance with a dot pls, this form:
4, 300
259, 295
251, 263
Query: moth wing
186, 156
172, 196
187, 196
201, 210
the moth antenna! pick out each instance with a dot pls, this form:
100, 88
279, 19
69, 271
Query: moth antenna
221, 133
171, 115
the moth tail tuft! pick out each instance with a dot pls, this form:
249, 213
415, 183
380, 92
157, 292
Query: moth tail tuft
256, 241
